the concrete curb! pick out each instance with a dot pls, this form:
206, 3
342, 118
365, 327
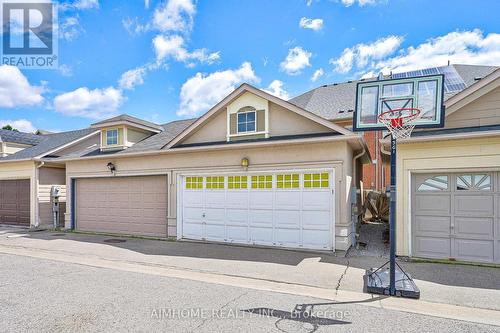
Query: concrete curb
475, 315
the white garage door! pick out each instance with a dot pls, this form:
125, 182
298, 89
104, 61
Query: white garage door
123, 205
287, 209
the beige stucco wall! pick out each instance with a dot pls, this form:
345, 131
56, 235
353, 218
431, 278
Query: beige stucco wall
135, 135
335, 155
48, 177
285, 122
454, 155
482, 112
23, 170
215, 130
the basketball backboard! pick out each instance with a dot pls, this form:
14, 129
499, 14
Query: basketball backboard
374, 97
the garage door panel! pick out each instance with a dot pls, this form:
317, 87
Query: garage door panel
287, 219
123, 205
430, 204
215, 215
192, 199
215, 232
238, 234
237, 217
469, 249
287, 200
262, 236
287, 237
215, 198
432, 247
261, 218
316, 220
261, 199
237, 199
432, 225
316, 200
315, 239
474, 205
474, 227
192, 229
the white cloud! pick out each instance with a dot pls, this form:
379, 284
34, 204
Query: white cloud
70, 28
296, 60
65, 70
276, 88
175, 15
79, 5
173, 47
317, 74
314, 24
132, 78
15, 89
200, 92
361, 3
22, 125
94, 104
362, 54
459, 47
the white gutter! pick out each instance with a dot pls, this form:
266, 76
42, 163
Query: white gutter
218, 147
445, 137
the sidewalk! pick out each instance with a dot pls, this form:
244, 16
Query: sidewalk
466, 286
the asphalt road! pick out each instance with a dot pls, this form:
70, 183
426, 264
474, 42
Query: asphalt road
44, 295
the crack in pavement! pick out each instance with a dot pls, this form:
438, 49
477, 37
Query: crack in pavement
341, 277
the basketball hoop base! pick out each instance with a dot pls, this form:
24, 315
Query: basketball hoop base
378, 282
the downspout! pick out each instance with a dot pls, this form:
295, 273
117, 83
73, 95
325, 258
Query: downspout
37, 173
354, 207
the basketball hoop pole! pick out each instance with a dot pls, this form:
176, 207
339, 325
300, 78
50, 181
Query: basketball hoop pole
392, 220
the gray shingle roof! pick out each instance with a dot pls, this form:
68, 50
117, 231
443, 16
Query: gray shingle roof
336, 101
126, 117
157, 141
47, 143
19, 137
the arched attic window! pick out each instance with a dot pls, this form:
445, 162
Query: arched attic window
246, 120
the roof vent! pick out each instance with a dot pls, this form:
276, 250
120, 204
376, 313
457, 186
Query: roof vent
350, 81
325, 85
350, 110
341, 111
335, 84
477, 78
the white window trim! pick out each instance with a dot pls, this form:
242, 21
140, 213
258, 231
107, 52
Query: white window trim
117, 139
237, 123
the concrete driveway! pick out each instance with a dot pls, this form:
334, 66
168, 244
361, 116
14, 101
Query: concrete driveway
468, 286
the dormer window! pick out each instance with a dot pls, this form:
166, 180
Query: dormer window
246, 121
112, 137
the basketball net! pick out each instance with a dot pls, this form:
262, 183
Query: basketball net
400, 122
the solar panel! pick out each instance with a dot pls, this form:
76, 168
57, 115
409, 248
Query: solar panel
452, 81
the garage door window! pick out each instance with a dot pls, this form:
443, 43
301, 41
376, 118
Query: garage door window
316, 180
237, 182
215, 182
474, 182
262, 181
435, 183
288, 181
194, 182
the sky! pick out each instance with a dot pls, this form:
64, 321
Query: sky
168, 60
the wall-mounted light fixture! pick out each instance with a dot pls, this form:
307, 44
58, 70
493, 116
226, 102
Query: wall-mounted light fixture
111, 167
245, 163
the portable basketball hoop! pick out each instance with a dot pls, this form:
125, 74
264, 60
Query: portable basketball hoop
393, 280
398, 105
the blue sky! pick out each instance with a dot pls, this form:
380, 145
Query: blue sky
174, 59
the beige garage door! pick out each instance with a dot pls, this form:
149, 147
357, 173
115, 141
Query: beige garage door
123, 205
456, 215
15, 201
